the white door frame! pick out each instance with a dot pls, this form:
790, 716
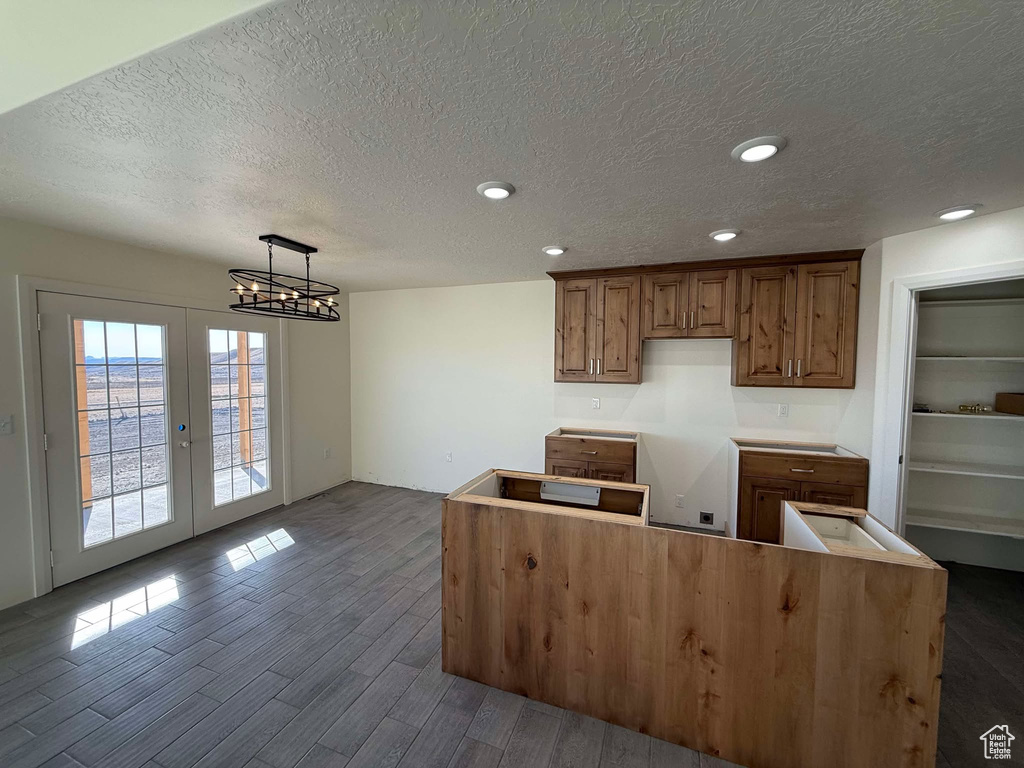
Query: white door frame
899, 391
28, 312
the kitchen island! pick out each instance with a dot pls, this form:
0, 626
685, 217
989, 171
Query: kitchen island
761, 654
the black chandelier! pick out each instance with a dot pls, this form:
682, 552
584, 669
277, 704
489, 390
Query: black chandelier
266, 292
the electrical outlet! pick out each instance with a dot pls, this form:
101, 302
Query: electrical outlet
783, 410
327, 453
707, 518
595, 402
448, 457
679, 501
7, 424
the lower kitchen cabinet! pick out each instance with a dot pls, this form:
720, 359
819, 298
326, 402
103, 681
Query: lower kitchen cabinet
760, 514
592, 453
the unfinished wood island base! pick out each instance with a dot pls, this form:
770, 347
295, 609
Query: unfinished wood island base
768, 656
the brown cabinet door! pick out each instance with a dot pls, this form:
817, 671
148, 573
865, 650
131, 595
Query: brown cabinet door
760, 512
618, 330
619, 473
763, 352
826, 325
666, 311
575, 313
712, 303
840, 495
565, 468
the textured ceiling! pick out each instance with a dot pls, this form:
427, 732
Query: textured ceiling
364, 129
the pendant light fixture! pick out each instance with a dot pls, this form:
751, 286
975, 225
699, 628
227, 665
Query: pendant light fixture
266, 292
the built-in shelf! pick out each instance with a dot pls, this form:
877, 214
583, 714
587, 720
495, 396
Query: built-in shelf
992, 359
966, 521
966, 468
991, 416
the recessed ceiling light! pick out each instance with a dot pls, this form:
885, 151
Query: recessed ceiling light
958, 212
723, 235
554, 250
758, 149
495, 190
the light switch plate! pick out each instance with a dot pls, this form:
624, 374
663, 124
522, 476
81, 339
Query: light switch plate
679, 501
448, 457
7, 424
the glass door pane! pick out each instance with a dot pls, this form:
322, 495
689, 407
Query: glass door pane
122, 429
238, 414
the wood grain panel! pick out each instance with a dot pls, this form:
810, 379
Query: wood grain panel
712, 303
617, 329
838, 495
767, 313
764, 656
666, 305
843, 471
565, 468
619, 473
826, 329
589, 449
759, 517
575, 307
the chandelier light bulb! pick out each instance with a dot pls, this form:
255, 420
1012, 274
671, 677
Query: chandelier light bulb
255, 287
295, 294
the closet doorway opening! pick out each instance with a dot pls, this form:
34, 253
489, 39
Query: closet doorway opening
963, 446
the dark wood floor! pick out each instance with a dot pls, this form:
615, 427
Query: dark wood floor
310, 636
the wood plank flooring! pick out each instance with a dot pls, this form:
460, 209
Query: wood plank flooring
310, 636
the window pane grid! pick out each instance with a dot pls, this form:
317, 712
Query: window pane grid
122, 428
237, 376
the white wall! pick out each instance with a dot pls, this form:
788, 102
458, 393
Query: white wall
990, 240
469, 370
318, 357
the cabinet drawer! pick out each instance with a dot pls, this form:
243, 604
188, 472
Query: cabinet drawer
805, 468
583, 449
619, 473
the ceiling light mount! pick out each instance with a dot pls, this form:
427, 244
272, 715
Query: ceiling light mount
759, 149
554, 250
958, 212
724, 235
496, 190
286, 296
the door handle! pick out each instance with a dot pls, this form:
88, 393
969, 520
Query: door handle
684, 321
794, 469
599, 366
789, 370
185, 443
591, 366
592, 453
692, 326
798, 365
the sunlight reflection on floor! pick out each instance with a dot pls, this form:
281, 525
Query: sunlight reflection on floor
257, 549
98, 621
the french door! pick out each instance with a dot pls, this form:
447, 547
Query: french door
161, 422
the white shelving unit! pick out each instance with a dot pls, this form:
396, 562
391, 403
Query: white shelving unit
966, 470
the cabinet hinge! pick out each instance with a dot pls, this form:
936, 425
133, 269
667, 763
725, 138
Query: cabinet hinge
46, 442
51, 558
39, 321
901, 458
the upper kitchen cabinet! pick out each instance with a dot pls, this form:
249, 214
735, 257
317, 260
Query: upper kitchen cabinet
763, 352
793, 317
575, 320
680, 305
597, 330
825, 347
797, 326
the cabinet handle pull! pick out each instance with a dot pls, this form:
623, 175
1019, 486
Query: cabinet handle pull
789, 370
692, 326
599, 366
798, 362
684, 321
591, 366
794, 469
592, 453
